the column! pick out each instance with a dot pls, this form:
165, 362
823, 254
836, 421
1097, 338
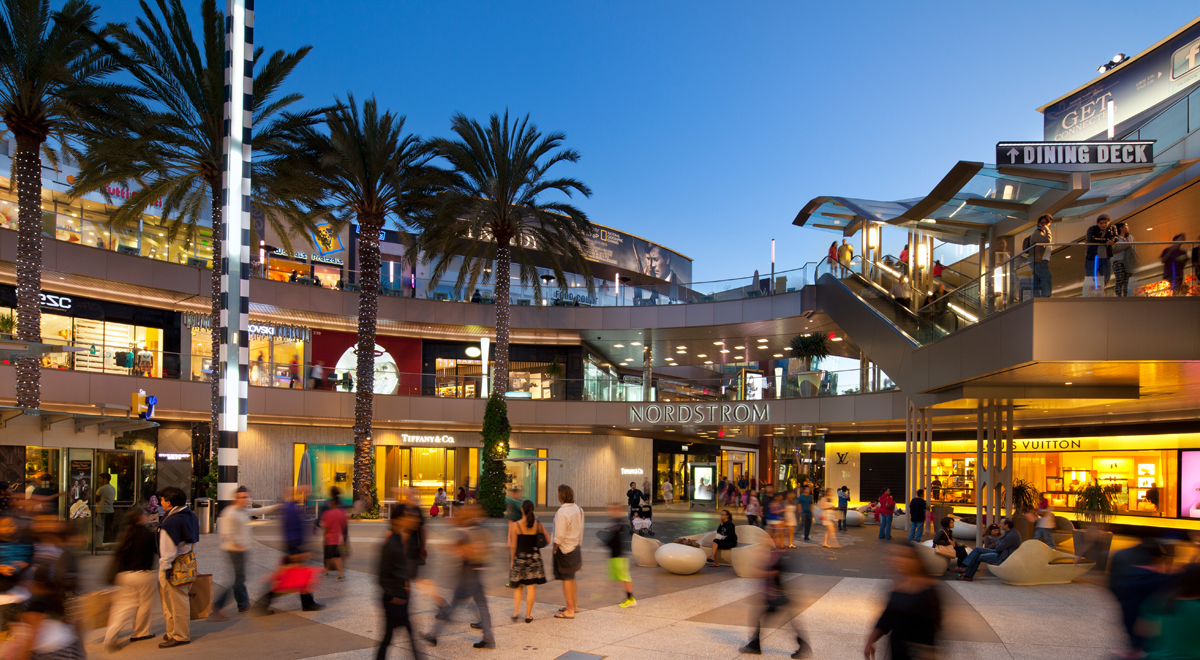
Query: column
979, 473
1008, 460
647, 372
908, 448
233, 366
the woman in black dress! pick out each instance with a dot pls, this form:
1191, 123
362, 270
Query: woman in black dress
526, 537
913, 614
726, 538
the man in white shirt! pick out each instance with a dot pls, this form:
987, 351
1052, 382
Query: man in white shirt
106, 497
234, 526
568, 557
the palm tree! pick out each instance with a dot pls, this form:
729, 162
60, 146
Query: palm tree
489, 209
52, 65
362, 168
172, 146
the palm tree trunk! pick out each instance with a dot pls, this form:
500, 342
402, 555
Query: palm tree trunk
27, 169
218, 233
364, 398
503, 313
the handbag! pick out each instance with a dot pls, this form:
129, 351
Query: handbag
295, 579
946, 551
541, 541
184, 569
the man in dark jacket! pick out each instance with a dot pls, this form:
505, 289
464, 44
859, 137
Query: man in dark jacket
293, 534
1008, 543
1099, 239
916, 516
396, 568
178, 531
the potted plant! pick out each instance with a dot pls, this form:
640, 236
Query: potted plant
810, 349
554, 372
8, 323
1024, 500
1094, 503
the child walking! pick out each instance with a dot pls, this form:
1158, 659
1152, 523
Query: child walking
618, 563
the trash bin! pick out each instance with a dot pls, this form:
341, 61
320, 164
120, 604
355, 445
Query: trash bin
204, 511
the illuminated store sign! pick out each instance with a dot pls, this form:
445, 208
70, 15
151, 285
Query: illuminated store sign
428, 439
55, 302
699, 413
173, 456
631, 471
258, 330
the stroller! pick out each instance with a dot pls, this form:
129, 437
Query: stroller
643, 520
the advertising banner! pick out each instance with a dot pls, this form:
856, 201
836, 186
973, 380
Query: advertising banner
81, 489
1189, 484
609, 246
704, 482
1133, 88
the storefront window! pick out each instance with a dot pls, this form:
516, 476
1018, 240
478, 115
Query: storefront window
43, 471
201, 363
277, 362
459, 379
329, 466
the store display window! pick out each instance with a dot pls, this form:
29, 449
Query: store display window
115, 348
287, 270
327, 276
276, 362
459, 379
321, 467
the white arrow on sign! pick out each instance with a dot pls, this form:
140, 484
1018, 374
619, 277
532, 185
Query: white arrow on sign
1012, 155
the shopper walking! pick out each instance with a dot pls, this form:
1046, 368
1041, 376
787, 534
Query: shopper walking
106, 496
395, 569
44, 633
913, 614
1137, 574
887, 506
178, 532
336, 528
1174, 261
295, 554
775, 519
917, 508
1039, 256
234, 527
1099, 238
829, 517
805, 502
526, 538
471, 548
775, 600
790, 519
132, 571
618, 564
566, 553
843, 498
668, 492
753, 509
1124, 260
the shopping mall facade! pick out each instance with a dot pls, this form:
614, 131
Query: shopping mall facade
652, 376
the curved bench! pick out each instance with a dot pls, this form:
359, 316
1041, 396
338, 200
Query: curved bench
1035, 563
680, 559
643, 550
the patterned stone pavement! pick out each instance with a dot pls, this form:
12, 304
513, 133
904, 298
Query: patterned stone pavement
837, 595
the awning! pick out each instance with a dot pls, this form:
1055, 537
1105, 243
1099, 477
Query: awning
973, 198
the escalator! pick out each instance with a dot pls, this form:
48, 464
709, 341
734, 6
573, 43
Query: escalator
885, 330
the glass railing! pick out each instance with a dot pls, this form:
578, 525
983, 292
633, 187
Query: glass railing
887, 289
1135, 269
535, 385
605, 293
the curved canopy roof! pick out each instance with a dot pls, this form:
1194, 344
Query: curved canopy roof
975, 197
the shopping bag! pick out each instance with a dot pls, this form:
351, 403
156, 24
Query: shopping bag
295, 579
200, 597
91, 609
183, 569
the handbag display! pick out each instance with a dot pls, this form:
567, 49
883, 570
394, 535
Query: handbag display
184, 569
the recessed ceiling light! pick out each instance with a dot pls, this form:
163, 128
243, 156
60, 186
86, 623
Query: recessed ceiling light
763, 346
739, 347
1067, 383
718, 343
835, 339
681, 348
708, 362
724, 350
680, 352
618, 345
778, 355
702, 355
635, 343
762, 341
787, 348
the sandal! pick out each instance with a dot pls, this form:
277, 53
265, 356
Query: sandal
563, 615
528, 619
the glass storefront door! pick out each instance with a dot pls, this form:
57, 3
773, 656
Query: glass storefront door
121, 471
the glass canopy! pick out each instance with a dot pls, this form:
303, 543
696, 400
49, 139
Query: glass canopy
973, 197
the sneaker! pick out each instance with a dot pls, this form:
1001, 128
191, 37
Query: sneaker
484, 644
753, 648
629, 602
315, 607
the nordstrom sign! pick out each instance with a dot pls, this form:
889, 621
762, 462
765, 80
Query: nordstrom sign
699, 413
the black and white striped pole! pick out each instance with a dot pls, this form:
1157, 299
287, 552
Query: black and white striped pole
233, 367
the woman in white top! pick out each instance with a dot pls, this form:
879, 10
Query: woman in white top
1123, 260
789, 517
826, 509
668, 492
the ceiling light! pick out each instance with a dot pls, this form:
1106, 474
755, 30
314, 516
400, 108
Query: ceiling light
779, 355
708, 362
681, 348
763, 347
835, 338
1067, 383
718, 343
724, 350
473, 351
739, 347
787, 348
762, 341
635, 343
680, 352
618, 345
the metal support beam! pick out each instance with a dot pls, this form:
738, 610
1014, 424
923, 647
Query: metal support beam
82, 423
7, 415
50, 420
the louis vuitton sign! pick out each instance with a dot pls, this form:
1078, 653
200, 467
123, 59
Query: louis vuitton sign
699, 413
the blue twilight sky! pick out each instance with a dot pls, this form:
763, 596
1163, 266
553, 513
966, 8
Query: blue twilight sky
706, 126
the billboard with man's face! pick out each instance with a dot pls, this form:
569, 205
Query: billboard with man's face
615, 248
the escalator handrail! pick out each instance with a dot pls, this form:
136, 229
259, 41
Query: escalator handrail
904, 333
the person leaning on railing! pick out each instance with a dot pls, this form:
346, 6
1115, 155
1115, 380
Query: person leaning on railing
1039, 259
